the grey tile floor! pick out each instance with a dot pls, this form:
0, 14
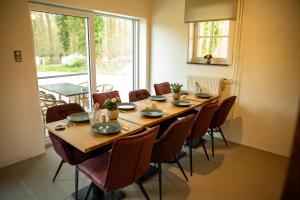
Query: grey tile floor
236, 172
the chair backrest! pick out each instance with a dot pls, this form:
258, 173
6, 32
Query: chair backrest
129, 159
137, 95
222, 112
68, 152
101, 97
202, 121
162, 88
171, 141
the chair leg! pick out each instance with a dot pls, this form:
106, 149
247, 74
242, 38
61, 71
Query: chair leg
76, 183
212, 142
223, 136
58, 169
89, 191
140, 184
159, 180
191, 157
181, 169
203, 145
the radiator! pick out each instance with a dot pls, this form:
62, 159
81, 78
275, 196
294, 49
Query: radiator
207, 84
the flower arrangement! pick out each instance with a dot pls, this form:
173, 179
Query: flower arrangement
111, 104
208, 58
176, 87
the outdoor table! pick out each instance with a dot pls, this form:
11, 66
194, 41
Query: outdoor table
67, 90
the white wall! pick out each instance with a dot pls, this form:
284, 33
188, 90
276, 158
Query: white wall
20, 121
268, 87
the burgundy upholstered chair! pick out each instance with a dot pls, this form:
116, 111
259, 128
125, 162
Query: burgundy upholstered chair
128, 160
67, 152
169, 144
137, 95
101, 97
218, 119
162, 88
200, 127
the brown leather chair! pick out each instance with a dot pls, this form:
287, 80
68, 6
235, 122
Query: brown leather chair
170, 143
125, 164
101, 97
162, 88
137, 95
67, 152
218, 119
200, 127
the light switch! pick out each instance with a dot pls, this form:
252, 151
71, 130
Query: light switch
18, 56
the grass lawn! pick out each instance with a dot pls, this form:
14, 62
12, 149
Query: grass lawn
61, 68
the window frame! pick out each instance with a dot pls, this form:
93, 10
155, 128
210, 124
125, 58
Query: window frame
193, 47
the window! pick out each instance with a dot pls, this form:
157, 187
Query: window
210, 37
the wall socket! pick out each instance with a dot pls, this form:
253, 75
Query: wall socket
18, 56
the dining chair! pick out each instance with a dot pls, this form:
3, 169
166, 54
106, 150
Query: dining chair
162, 88
137, 95
67, 152
200, 127
47, 101
170, 143
127, 161
218, 119
105, 88
101, 97
100, 88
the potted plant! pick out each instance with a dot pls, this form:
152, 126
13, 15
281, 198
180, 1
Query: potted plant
112, 108
176, 88
208, 58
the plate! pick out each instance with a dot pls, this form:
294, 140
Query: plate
126, 106
78, 117
152, 112
203, 95
184, 92
182, 103
107, 128
157, 98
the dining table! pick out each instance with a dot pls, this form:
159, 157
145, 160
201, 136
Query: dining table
84, 139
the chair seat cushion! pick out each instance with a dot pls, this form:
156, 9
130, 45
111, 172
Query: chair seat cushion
96, 169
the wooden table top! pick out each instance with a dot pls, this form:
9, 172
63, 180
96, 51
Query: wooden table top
192, 97
83, 138
167, 106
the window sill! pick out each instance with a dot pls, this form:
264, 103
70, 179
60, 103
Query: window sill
214, 64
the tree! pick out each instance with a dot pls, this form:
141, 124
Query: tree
51, 43
63, 32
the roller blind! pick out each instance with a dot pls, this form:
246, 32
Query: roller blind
208, 10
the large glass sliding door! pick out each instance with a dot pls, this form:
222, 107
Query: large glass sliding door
114, 54
78, 52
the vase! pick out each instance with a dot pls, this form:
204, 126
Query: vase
113, 114
176, 96
208, 60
